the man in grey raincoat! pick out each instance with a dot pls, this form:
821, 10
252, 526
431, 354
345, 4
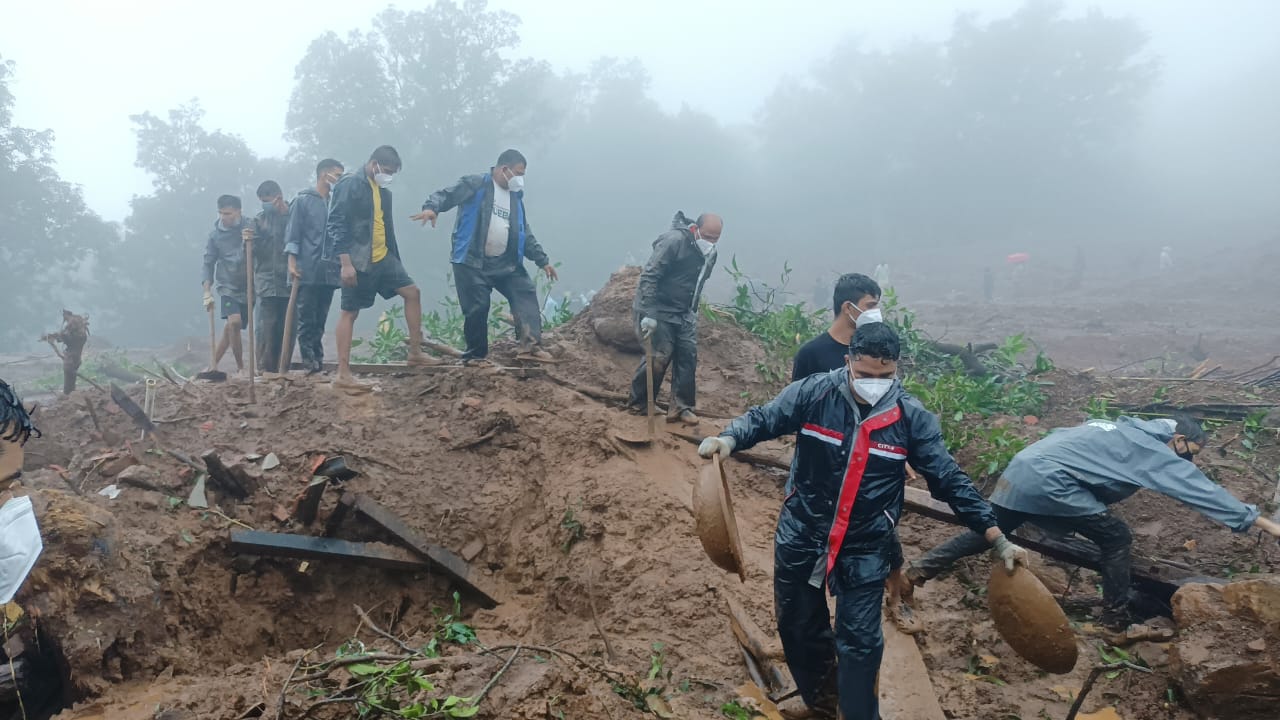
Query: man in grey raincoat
1065, 482
857, 430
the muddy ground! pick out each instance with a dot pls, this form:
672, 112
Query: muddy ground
579, 534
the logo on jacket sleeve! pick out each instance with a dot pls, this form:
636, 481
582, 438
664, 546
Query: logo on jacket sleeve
885, 450
826, 435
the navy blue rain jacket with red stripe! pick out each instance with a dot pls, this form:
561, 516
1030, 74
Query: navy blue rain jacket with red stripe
858, 467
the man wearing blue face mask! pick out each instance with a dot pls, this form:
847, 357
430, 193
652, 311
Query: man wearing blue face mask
491, 241
271, 276
857, 430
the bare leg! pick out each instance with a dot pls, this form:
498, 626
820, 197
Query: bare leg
413, 318
346, 327
234, 324
223, 342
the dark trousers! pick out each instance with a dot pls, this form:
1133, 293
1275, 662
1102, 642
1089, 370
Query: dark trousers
1108, 532
269, 332
475, 288
313, 312
675, 345
824, 662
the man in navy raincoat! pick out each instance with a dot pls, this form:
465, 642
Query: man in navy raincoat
857, 430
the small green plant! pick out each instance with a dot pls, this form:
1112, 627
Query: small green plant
1252, 430
734, 711
1099, 408
1112, 655
397, 691
451, 629
1000, 445
983, 668
574, 530
1160, 395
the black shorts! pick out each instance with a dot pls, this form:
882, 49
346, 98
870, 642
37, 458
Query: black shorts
384, 278
235, 306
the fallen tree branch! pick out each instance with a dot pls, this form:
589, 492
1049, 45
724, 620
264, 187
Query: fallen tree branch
494, 680
1093, 677
364, 617
595, 617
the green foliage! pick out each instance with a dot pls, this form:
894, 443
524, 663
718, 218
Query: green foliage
763, 310
573, 529
1253, 427
734, 711
389, 342
1112, 655
1099, 408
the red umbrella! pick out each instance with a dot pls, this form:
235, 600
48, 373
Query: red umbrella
1018, 258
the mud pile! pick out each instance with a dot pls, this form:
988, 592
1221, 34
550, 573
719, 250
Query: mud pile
582, 538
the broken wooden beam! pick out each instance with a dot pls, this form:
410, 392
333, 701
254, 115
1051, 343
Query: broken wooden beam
1149, 574
309, 501
753, 642
444, 560
307, 547
223, 478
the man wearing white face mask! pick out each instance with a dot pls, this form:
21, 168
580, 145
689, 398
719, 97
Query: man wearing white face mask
855, 302
312, 263
20, 542
666, 310
857, 430
362, 233
491, 241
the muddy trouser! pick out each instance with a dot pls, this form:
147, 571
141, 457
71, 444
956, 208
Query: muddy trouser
475, 287
1108, 532
815, 654
313, 312
675, 344
269, 332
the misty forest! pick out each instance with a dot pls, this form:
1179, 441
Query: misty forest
1032, 133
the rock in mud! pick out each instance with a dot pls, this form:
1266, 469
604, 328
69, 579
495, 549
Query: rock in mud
1227, 655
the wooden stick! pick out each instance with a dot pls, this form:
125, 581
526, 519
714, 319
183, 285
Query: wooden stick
1093, 677
253, 352
595, 617
286, 352
364, 618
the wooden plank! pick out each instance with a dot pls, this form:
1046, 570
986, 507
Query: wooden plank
307, 547
904, 686
1148, 574
754, 643
441, 558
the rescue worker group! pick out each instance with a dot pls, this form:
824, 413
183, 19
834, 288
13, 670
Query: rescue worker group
856, 429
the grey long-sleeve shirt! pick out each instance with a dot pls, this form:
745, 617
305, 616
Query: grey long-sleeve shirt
1081, 470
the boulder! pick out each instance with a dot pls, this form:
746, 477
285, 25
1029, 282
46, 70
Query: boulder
1227, 655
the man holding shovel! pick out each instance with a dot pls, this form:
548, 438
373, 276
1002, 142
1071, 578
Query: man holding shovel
857, 430
224, 264
666, 311
271, 285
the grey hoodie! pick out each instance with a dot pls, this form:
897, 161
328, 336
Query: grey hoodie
1081, 470
224, 260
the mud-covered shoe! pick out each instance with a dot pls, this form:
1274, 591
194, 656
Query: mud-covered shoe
536, 355
423, 360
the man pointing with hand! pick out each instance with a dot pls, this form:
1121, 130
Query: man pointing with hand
857, 430
491, 241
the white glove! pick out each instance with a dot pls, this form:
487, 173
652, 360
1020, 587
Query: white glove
647, 326
208, 301
722, 444
1008, 553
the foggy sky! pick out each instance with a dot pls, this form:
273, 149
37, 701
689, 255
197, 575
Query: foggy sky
83, 66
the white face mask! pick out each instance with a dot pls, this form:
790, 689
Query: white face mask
20, 545
381, 178
515, 183
868, 316
872, 389
706, 246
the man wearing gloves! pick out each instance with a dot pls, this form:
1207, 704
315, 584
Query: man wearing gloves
491, 241
312, 262
1065, 482
857, 430
666, 310
224, 263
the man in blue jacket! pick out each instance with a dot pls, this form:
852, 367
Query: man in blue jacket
491, 241
857, 430
363, 234
312, 262
1065, 482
